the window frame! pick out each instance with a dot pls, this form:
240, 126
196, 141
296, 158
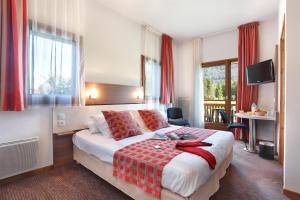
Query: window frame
59, 38
143, 72
227, 63
79, 42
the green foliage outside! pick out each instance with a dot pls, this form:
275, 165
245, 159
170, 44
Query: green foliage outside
215, 90
219, 91
233, 89
58, 86
209, 89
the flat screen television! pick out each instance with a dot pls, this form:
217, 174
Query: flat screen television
260, 73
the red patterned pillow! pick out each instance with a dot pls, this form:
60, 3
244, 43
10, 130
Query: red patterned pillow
121, 124
153, 119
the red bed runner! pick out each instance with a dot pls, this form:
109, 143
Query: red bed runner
141, 164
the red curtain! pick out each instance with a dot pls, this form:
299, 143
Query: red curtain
247, 55
12, 54
167, 71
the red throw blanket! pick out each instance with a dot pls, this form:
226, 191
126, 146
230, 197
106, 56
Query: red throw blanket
192, 143
192, 147
142, 164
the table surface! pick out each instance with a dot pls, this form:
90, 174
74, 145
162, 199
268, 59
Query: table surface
246, 116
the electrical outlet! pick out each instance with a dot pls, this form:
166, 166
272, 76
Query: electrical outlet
61, 123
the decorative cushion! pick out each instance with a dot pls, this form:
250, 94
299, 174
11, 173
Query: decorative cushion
153, 119
121, 124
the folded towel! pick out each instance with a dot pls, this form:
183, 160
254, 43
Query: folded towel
193, 143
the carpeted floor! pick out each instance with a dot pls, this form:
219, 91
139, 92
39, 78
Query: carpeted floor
249, 177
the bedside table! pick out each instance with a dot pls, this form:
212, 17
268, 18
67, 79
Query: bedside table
62, 148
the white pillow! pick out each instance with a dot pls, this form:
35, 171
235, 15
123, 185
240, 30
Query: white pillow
92, 125
99, 125
136, 116
164, 114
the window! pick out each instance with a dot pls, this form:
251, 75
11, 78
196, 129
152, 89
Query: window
52, 63
151, 75
214, 83
220, 87
52, 67
152, 79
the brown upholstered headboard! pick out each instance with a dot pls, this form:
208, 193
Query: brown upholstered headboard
111, 94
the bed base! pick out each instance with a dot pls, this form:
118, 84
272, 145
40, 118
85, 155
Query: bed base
104, 170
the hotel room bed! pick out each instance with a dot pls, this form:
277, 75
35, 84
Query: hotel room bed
186, 176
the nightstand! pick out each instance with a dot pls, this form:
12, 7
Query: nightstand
62, 148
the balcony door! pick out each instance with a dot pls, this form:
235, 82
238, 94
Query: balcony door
220, 86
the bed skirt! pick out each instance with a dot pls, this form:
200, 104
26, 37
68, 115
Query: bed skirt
104, 170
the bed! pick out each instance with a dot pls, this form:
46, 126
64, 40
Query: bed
186, 176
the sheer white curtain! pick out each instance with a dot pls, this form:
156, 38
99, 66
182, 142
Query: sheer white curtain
152, 53
199, 91
55, 53
152, 80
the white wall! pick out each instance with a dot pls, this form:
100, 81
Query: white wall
268, 34
225, 45
184, 70
112, 43
112, 47
22, 125
292, 107
220, 46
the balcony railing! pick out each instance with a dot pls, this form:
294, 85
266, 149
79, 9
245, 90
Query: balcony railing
212, 108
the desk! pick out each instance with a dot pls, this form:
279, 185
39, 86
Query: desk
252, 127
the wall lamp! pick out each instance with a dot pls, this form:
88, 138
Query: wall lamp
139, 94
92, 93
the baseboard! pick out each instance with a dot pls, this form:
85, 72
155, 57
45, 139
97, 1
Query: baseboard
26, 175
291, 194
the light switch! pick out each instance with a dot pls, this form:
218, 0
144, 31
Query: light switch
61, 116
61, 119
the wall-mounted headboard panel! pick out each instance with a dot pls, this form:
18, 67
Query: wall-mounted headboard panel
110, 94
76, 117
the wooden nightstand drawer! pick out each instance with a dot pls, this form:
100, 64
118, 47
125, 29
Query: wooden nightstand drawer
62, 149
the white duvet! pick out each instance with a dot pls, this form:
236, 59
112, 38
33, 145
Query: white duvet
183, 174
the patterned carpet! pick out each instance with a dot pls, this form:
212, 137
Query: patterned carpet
249, 177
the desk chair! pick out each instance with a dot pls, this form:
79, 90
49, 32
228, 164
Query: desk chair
234, 125
175, 117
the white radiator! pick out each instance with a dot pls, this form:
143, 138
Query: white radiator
18, 156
